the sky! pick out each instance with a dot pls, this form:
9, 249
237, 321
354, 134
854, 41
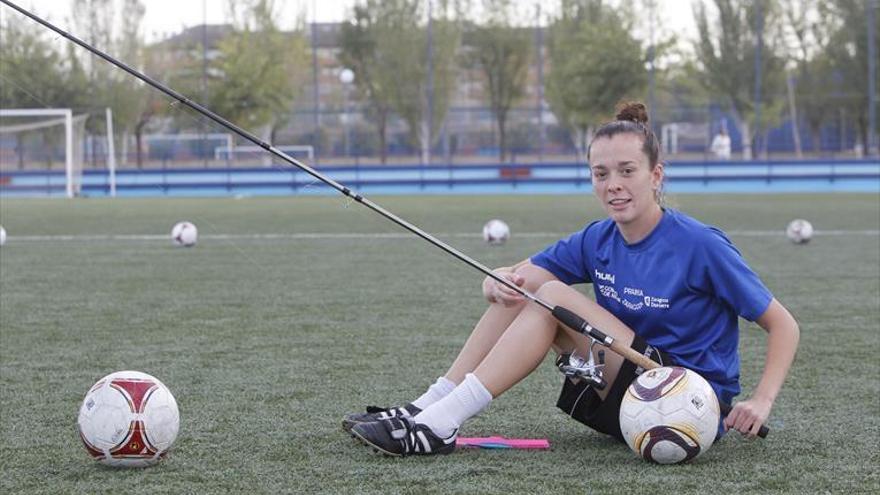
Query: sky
164, 17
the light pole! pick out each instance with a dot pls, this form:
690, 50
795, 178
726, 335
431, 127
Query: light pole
346, 77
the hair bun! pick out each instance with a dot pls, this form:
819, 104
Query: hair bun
632, 111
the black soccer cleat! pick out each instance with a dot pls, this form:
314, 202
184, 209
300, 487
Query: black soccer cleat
402, 436
378, 413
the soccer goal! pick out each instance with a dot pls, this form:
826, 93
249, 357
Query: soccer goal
246, 153
183, 148
37, 137
679, 137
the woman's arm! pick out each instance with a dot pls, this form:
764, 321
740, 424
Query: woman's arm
783, 334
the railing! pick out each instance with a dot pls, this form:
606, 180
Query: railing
752, 176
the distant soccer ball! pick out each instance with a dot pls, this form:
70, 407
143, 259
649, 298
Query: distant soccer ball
669, 415
128, 419
184, 234
2, 236
799, 231
496, 232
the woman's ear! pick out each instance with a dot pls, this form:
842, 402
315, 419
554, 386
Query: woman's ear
657, 176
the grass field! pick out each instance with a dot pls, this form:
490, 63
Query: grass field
267, 336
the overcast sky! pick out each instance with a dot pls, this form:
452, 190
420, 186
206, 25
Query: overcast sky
165, 17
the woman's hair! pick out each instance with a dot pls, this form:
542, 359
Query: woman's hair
632, 118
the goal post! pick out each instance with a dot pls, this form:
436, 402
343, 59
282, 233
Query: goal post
39, 122
111, 153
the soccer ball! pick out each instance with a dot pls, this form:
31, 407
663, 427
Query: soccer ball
669, 415
496, 232
799, 231
128, 419
2, 236
184, 234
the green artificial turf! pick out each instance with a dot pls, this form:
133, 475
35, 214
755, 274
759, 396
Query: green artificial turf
267, 336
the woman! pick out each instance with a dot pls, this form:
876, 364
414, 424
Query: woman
665, 284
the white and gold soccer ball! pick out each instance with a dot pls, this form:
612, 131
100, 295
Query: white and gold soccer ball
128, 419
669, 415
799, 231
496, 232
184, 234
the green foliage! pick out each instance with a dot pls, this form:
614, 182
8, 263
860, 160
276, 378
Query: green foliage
847, 54
501, 52
595, 63
725, 54
251, 80
394, 59
128, 96
117, 32
374, 79
34, 73
812, 67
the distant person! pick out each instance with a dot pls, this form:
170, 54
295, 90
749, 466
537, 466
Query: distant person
665, 284
721, 145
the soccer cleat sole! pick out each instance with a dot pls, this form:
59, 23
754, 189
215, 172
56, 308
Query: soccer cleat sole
375, 448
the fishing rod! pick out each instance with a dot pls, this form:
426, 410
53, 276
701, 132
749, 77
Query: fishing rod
563, 315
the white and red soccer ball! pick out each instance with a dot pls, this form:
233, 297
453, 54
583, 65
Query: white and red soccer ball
496, 232
184, 234
128, 419
799, 231
669, 415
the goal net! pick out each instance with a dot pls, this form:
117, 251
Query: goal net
684, 137
184, 149
249, 155
40, 138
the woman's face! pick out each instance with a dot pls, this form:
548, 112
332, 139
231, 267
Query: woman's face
622, 177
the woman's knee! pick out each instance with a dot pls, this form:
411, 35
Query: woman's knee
554, 291
534, 277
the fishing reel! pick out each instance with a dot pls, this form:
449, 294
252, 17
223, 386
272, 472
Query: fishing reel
586, 368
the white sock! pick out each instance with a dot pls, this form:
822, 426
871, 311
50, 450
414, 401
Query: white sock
438, 390
445, 416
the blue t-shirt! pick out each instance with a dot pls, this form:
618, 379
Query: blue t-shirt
680, 288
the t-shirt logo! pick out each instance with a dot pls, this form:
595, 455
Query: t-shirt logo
657, 302
637, 299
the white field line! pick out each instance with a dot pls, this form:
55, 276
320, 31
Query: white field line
375, 235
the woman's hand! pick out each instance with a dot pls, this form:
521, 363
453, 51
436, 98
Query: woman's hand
496, 292
747, 416
782, 341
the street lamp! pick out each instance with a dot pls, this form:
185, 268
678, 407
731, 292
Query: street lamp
346, 77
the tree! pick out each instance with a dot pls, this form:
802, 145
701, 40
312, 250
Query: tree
402, 66
94, 24
251, 79
151, 105
501, 52
36, 74
726, 51
595, 62
811, 67
848, 55
133, 103
359, 51
118, 32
